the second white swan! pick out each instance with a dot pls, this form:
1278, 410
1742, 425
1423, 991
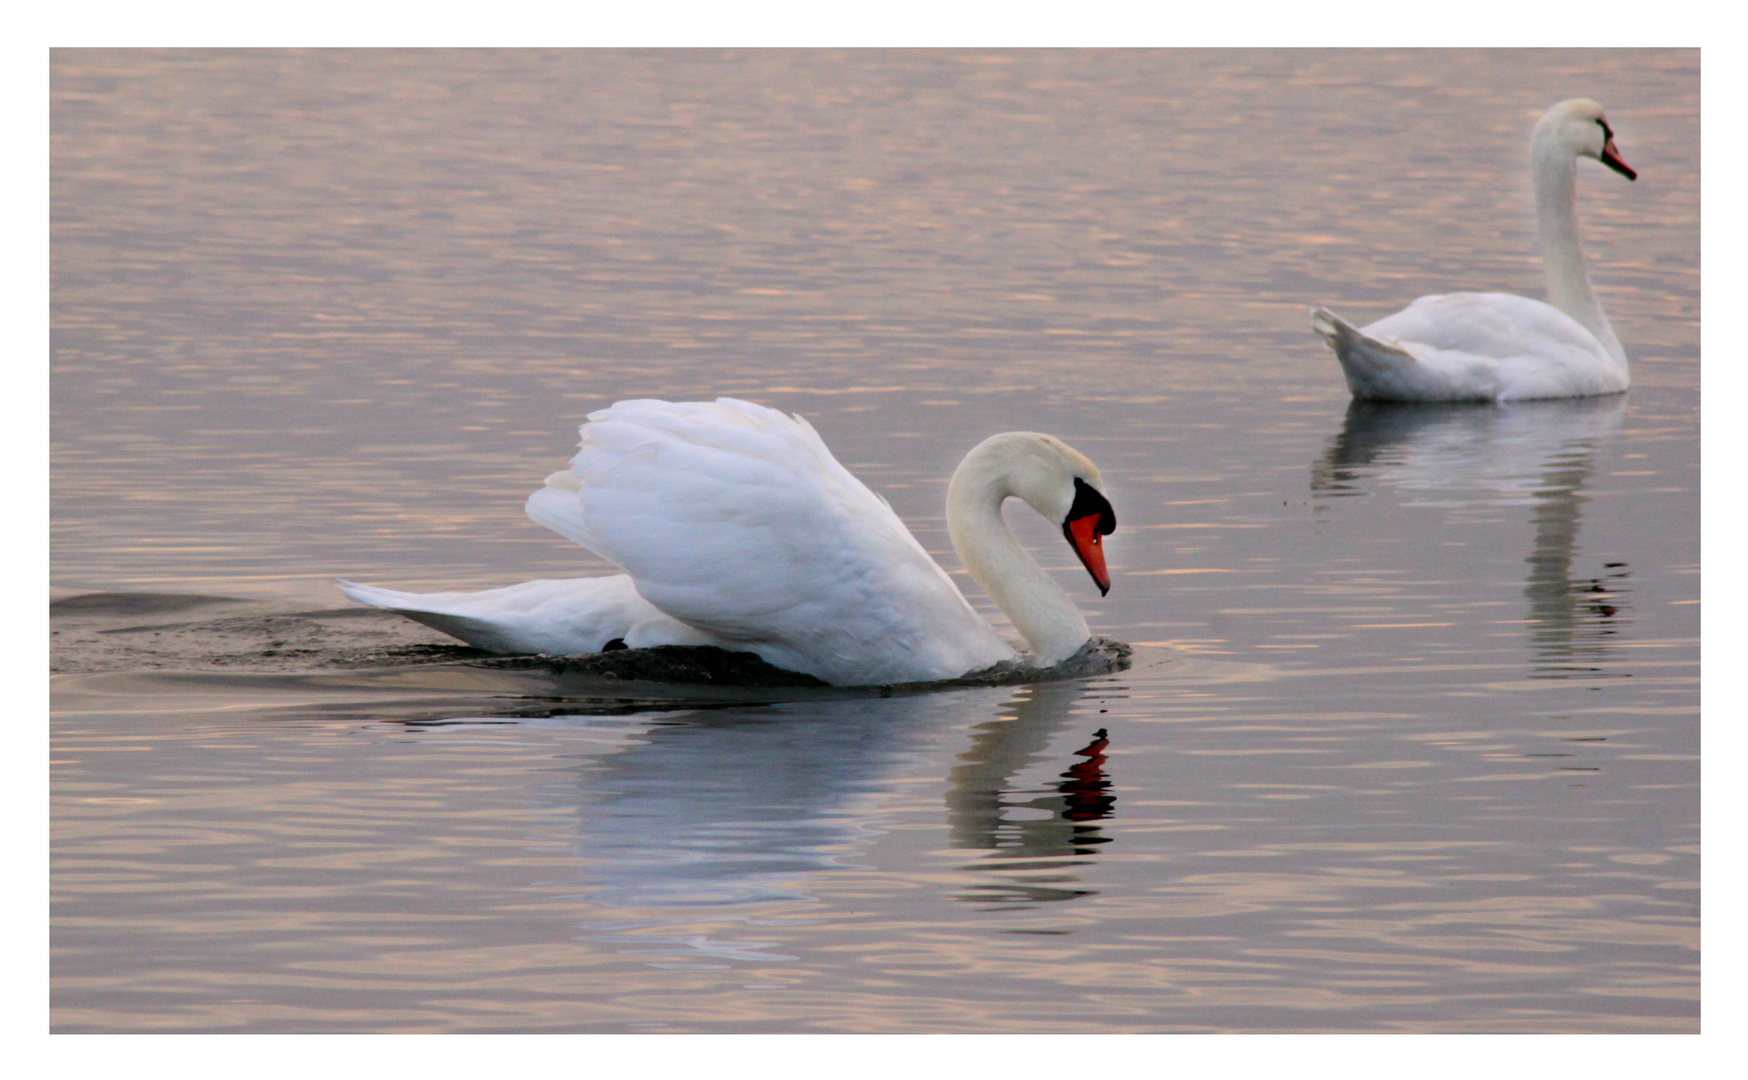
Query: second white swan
736, 527
1495, 346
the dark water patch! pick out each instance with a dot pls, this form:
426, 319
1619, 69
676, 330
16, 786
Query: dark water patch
436, 684
326, 614
135, 603
107, 637
709, 665
683, 664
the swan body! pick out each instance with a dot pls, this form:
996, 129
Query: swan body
736, 527
1495, 346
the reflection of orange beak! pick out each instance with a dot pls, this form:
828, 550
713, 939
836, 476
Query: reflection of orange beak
1083, 534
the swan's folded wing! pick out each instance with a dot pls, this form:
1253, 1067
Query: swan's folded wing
736, 519
1510, 347
1494, 325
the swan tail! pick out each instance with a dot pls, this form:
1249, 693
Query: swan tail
373, 596
1332, 328
1373, 369
564, 617
428, 608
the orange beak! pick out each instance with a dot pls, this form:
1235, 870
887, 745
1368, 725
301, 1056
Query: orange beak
1083, 536
1612, 158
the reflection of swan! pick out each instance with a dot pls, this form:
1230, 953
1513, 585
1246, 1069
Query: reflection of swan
738, 805
737, 528
1494, 346
738, 809
1461, 457
984, 810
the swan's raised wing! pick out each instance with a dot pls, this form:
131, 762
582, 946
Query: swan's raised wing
736, 519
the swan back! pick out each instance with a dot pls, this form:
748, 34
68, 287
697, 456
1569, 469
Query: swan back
1500, 347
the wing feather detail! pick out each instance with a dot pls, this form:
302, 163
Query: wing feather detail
736, 519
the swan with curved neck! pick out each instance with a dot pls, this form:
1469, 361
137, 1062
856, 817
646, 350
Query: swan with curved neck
1062, 486
737, 528
1495, 346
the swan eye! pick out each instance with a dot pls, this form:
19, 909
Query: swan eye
1606, 133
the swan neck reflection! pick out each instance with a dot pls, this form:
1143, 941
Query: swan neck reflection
1463, 458
986, 811
1570, 618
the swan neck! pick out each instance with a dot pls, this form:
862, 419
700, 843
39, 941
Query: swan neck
1555, 171
1039, 609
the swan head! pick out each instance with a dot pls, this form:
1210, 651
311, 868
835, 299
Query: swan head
1052, 478
1578, 127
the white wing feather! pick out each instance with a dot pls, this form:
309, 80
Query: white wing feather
736, 520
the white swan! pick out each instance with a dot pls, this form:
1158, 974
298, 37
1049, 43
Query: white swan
736, 527
1494, 346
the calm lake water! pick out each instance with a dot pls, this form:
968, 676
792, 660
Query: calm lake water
1412, 738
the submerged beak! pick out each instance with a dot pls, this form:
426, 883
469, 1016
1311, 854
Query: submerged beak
1612, 158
